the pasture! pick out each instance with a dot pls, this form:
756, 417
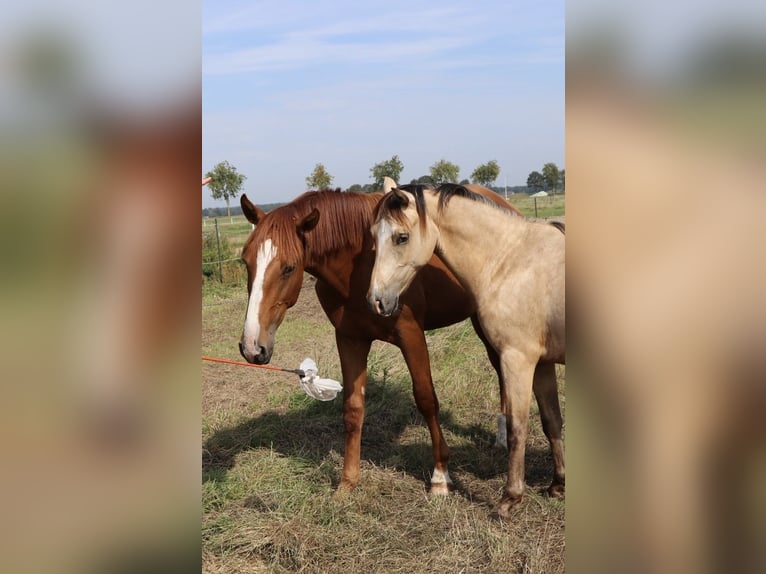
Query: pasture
273, 456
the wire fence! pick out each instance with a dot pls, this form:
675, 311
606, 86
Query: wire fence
216, 248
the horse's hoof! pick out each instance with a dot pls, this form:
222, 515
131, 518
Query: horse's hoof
341, 495
344, 489
441, 489
505, 507
556, 491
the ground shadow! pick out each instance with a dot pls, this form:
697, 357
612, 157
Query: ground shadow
313, 429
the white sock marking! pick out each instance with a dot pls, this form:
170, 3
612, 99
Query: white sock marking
439, 477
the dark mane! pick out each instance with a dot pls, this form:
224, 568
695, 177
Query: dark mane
447, 191
391, 206
559, 225
344, 222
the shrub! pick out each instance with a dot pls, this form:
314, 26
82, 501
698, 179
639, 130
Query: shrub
211, 256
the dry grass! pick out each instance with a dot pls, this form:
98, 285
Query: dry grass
272, 458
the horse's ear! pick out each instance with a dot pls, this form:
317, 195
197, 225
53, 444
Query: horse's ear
388, 184
252, 212
308, 222
399, 198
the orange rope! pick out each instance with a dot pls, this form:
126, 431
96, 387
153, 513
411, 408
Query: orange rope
243, 364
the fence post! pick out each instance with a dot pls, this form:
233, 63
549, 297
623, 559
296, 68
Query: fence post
532, 198
218, 243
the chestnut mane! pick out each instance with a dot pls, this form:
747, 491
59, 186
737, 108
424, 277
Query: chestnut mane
344, 222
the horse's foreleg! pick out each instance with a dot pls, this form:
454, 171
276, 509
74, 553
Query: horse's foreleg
547, 395
353, 363
518, 372
501, 439
415, 352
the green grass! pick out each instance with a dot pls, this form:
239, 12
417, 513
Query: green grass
272, 458
551, 206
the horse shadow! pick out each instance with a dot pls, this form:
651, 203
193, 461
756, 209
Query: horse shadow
312, 430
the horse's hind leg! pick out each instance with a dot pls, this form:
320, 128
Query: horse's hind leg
415, 352
353, 363
547, 395
501, 439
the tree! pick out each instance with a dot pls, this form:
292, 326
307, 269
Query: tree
225, 182
563, 181
392, 168
444, 172
423, 180
535, 181
552, 175
486, 174
319, 178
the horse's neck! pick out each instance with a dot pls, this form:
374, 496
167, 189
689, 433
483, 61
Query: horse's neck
335, 267
474, 237
332, 273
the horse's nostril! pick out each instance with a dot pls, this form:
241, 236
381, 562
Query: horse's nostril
261, 350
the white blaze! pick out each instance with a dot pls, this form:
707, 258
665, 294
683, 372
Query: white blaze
266, 254
384, 233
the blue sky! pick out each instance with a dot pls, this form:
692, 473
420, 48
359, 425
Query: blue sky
287, 85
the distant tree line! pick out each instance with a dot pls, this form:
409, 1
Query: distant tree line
226, 183
442, 171
221, 211
235, 210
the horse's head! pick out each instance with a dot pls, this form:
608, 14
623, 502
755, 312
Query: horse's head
274, 257
404, 242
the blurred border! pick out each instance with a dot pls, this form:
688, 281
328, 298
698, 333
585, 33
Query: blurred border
100, 108
666, 275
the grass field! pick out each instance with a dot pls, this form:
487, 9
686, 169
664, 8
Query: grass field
272, 458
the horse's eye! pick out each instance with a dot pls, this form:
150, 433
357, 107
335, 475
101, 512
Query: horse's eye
287, 271
402, 238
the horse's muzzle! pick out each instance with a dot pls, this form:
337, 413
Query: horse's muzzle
262, 357
383, 306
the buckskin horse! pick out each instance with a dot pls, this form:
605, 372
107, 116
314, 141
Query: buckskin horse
519, 293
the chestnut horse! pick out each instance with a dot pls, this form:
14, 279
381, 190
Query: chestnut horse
327, 234
514, 269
